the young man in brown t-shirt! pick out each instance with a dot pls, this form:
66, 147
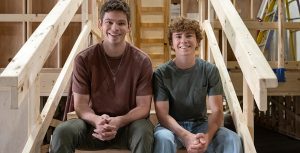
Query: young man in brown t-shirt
111, 87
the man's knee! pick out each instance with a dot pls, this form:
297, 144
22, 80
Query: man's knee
142, 128
67, 130
227, 140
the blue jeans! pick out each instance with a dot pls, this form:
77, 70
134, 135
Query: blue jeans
224, 141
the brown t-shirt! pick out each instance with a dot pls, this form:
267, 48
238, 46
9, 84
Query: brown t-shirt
92, 75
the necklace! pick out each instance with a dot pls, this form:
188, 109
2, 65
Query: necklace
114, 74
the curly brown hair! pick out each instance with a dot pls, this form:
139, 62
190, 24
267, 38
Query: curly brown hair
182, 24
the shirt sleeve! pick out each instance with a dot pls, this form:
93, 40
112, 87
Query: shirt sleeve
81, 81
214, 82
144, 85
159, 89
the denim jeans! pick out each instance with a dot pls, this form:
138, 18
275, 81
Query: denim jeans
77, 134
224, 141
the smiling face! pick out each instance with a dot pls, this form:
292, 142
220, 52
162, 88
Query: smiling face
114, 26
184, 43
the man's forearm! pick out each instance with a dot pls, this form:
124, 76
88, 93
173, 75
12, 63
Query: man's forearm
170, 123
86, 114
134, 114
214, 122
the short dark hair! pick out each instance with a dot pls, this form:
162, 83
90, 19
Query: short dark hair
115, 5
181, 24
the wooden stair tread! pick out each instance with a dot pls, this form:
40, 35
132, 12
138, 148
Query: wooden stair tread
151, 9
152, 25
149, 40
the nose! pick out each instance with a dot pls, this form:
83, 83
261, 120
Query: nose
115, 27
183, 39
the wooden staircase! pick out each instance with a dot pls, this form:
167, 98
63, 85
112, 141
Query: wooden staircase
152, 18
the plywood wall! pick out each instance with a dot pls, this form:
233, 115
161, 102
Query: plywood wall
13, 34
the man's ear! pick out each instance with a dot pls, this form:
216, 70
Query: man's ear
100, 24
129, 26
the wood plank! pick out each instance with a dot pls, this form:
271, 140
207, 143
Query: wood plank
152, 40
165, 33
67, 41
248, 108
11, 41
255, 68
152, 3
231, 96
156, 56
289, 65
256, 25
55, 122
288, 88
22, 71
151, 9
152, 25
280, 34
48, 111
31, 17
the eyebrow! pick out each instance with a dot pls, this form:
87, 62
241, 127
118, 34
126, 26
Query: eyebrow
108, 19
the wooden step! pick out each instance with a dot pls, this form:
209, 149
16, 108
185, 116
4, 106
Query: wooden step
151, 9
152, 40
156, 56
152, 25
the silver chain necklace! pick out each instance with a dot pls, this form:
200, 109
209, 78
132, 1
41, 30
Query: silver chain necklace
110, 69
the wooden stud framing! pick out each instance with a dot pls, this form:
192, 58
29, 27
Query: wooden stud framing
30, 17
231, 97
17, 75
224, 47
280, 35
48, 111
167, 54
202, 18
256, 70
248, 108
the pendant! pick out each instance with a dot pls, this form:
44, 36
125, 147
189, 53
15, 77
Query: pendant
114, 79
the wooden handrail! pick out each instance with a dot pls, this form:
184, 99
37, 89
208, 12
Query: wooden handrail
231, 97
22, 71
48, 111
255, 68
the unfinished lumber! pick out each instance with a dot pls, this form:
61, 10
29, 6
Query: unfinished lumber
48, 111
256, 70
35, 51
235, 109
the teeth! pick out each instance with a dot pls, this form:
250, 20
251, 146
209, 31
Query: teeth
184, 47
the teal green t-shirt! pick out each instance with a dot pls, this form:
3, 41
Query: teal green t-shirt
186, 90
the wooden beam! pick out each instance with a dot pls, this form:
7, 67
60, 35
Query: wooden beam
21, 72
48, 111
167, 54
280, 35
255, 68
256, 25
30, 17
152, 25
55, 122
151, 9
230, 94
248, 108
289, 65
288, 88
201, 19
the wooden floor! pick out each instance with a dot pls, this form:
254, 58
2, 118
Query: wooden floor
268, 141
